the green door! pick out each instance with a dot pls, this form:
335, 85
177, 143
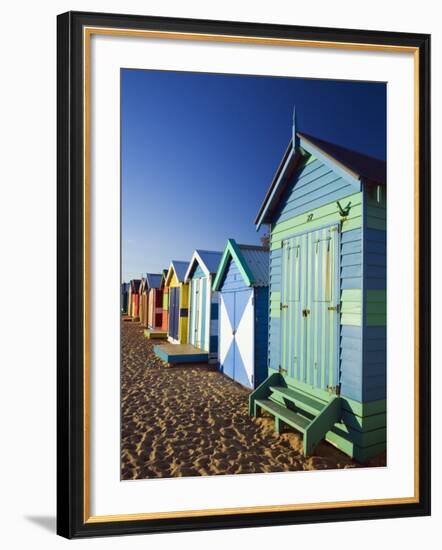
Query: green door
310, 298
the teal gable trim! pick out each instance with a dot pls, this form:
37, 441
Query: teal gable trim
232, 252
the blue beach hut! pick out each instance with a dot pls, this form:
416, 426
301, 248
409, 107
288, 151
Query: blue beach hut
242, 282
124, 297
326, 209
203, 302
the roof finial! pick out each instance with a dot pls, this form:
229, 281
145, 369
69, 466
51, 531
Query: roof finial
295, 139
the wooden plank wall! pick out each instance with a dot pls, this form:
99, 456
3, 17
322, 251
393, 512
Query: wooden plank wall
375, 295
318, 187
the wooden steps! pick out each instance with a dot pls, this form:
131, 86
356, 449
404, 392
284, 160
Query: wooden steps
309, 416
155, 334
309, 404
180, 353
281, 413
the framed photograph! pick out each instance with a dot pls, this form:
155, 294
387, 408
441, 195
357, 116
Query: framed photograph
243, 274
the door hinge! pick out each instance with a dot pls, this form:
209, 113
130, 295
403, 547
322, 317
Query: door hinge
283, 306
334, 389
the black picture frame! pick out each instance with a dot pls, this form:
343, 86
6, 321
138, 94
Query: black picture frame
71, 521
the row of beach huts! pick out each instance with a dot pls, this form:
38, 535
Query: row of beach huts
212, 309
302, 321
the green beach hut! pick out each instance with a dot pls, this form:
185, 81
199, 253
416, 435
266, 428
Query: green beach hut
326, 212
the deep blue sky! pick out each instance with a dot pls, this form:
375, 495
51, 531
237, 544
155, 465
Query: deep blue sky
199, 152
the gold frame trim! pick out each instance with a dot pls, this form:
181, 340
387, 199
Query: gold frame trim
87, 33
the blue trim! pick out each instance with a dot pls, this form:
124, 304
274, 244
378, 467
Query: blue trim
213, 347
275, 189
214, 311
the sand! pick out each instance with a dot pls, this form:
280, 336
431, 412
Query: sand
193, 421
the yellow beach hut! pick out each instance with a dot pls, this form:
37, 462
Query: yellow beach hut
143, 301
178, 302
177, 350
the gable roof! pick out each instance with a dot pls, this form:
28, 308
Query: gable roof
208, 260
163, 278
179, 268
354, 166
363, 166
135, 285
252, 262
153, 280
143, 285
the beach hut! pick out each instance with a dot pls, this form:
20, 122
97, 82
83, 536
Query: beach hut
133, 299
155, 314
326, 210
178, 302
203, 302
150, 283
165, 289
242, 283
158, 314
124, 297
143, 301
177, 349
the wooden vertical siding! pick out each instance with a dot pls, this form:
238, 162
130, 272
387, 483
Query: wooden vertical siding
243, 308
155, 316
124, 297
133, 298
144, 308
183, 307
310, 278
261, 302
235, 366
140, 302
151, 309
214, 323
205, 335
158, 307
129, 302
135, 305
184, 313
308, 221
165, 318
197, 291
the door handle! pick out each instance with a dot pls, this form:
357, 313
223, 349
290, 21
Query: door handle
305, 312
